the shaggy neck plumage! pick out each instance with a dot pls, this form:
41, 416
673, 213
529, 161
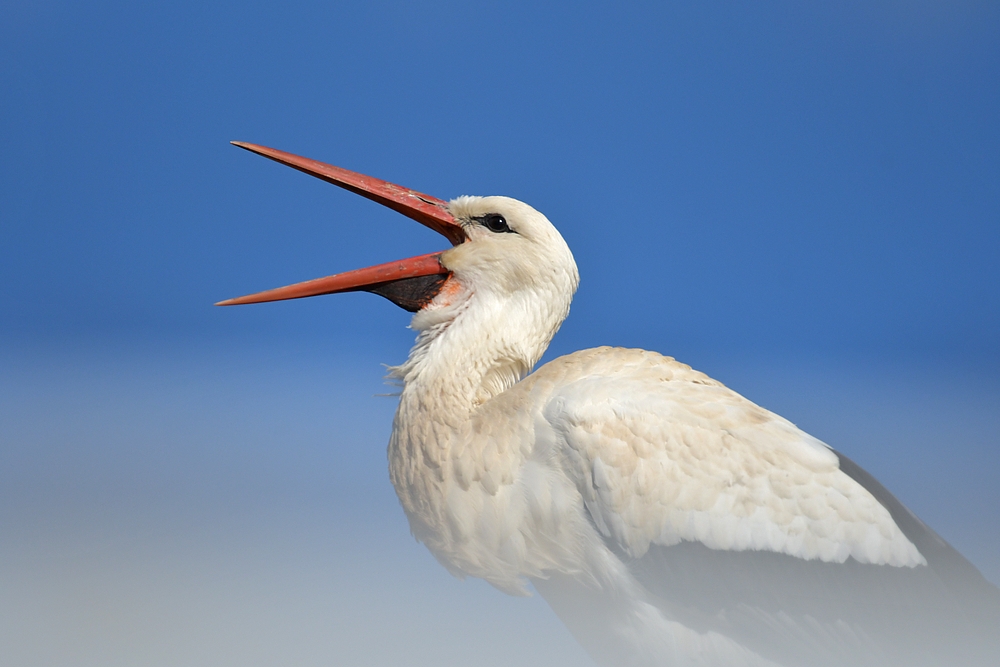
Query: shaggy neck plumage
468, 351
470, 348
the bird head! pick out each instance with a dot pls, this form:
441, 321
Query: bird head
511, 251
508, 265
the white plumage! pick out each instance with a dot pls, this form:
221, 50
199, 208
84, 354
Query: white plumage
667, 519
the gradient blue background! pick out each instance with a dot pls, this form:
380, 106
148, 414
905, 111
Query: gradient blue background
802, 201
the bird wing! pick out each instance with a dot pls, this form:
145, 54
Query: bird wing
737, 521
663, 454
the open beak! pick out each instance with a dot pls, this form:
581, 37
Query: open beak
409, 283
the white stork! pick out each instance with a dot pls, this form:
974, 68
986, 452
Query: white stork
665, 518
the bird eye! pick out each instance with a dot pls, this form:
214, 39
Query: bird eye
495, 223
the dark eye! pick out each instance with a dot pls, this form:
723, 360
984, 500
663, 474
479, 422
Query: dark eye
495, 223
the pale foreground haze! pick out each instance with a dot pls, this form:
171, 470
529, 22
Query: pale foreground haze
212, 507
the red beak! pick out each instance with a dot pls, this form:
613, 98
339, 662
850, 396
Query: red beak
409, 283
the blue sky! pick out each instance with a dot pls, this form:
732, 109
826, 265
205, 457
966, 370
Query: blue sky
803, 201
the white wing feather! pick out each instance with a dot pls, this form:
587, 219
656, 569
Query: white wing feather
663, 454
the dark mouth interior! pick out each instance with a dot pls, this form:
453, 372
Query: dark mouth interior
410, 294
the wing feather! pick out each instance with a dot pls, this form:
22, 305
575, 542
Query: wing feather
662, 455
